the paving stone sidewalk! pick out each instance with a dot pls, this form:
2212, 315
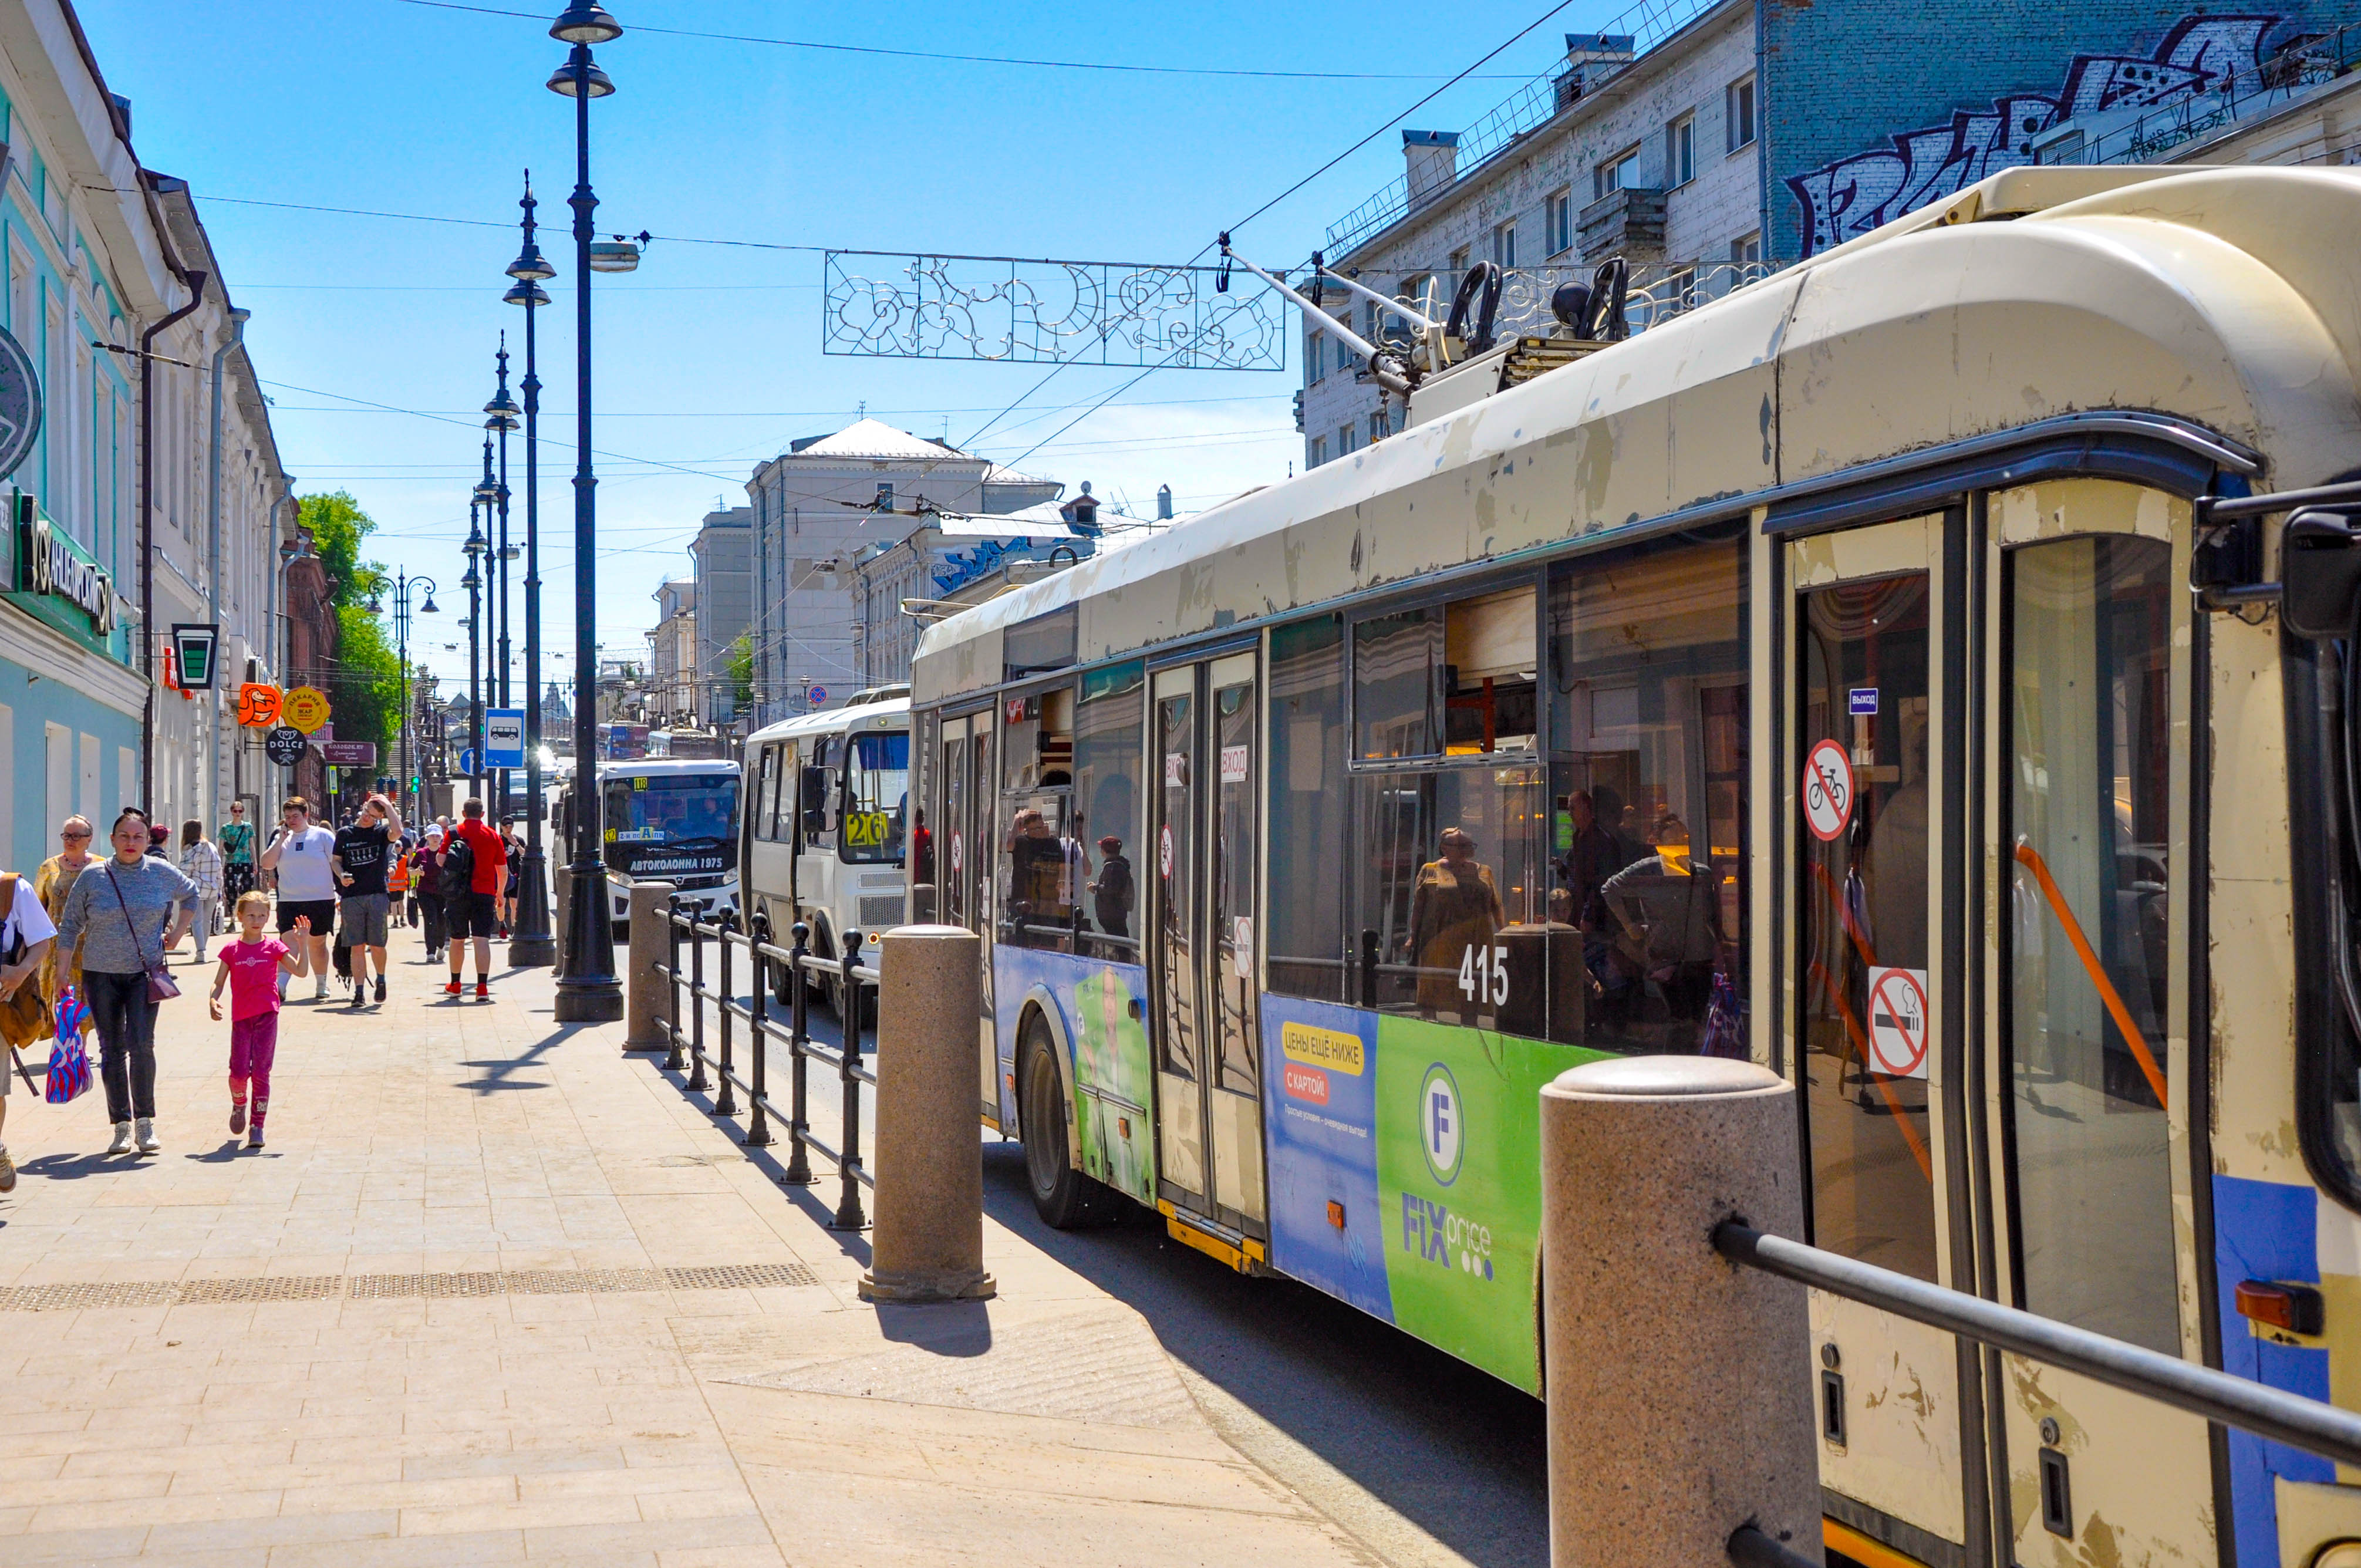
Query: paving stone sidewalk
497, 1292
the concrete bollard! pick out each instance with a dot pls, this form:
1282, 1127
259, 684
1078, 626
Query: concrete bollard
648, 995
928, 1243
1679, 1384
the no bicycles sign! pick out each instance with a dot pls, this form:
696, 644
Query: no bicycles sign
1897, 1022
1827, 791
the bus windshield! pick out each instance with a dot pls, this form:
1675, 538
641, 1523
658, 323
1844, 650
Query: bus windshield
876, 790
670, 822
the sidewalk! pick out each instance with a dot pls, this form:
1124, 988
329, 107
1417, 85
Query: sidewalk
498, 1293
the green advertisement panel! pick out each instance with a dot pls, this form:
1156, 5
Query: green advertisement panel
1459, 1123
1112, 1084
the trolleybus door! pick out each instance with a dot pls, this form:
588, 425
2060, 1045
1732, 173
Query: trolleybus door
1204, 827
963, 858
2085, 1023
1869, 961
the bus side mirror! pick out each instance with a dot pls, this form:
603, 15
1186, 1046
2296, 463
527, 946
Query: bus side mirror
2320, 573
815, 799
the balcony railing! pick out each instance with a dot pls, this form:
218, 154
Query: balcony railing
1649, 24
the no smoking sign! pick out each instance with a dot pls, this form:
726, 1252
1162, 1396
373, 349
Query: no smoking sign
1897, 1022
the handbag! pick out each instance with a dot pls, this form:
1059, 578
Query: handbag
162, 986
23, 1013
69, 1073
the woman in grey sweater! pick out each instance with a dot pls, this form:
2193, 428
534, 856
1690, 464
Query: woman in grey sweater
119, 908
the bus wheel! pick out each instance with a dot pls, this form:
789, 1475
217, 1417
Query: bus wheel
1064, 1197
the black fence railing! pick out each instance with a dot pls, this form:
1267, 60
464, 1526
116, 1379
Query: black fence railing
755, 1022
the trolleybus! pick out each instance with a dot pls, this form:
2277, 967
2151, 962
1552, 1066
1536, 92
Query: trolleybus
1853, 675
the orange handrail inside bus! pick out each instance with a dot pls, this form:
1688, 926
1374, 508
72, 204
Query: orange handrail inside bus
2030, 858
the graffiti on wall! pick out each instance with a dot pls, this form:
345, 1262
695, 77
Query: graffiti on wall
1854, 195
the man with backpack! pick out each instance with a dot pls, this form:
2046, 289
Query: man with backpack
475, 872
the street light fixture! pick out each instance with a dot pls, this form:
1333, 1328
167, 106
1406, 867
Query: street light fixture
501, 416
588, 992
531, 943
402, 584
474, 583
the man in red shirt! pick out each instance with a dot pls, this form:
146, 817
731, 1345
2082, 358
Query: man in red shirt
475, 912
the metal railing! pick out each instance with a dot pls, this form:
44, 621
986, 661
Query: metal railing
757, 1021
2311, 1425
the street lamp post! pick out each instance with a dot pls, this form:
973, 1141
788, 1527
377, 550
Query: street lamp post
402, 582
533, 945
588, 992
474, 583
500, 415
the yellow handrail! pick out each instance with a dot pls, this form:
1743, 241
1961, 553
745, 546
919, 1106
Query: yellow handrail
2031, 859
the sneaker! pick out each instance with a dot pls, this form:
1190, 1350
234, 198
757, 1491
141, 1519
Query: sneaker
122, 1143
380, 988
360, 993
254, 1138
236, 1117
148, 1141
320, 988
452, 989
7, 1172
483, 989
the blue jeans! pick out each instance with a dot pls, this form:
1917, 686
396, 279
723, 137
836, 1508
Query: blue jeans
127, 1041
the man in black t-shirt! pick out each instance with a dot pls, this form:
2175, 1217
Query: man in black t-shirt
363, 853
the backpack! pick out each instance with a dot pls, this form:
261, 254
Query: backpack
458, 875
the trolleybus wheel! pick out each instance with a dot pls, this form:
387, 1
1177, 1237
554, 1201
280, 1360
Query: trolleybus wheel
1065, 1198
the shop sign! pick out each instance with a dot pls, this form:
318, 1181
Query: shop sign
194, 647
59, 581
257, 706
20, 404
305, 708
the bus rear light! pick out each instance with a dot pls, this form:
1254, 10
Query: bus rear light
2295, 1308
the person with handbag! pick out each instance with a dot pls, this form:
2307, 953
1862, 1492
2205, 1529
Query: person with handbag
200, 862
52, 882
26, 936
120, 911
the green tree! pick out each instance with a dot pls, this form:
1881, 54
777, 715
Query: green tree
741, 670
365, 693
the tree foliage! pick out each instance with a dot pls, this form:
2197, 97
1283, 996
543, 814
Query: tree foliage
366, 697
741, 670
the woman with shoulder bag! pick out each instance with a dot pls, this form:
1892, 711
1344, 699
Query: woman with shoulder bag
120, 909
52, 882
26, 939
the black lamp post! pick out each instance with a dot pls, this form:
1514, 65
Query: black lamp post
402, 582
474, 583
588, 992
533, 945
501, 416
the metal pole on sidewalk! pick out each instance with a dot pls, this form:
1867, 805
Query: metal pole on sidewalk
928, 1244
1666, 1438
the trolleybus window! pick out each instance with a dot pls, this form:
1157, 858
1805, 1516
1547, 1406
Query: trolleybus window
1304, 909
1451, 859
1108, 739
926, 739
1864, 918
1648, 660
1456, 679
876, 793
2089, 751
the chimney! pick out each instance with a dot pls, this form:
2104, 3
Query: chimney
1591, 60
1433, 158
1164, 503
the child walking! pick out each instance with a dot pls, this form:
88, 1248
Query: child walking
250, 967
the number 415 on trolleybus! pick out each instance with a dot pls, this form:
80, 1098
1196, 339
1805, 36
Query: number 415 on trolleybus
1849, 675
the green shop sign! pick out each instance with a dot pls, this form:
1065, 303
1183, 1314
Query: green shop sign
58, 583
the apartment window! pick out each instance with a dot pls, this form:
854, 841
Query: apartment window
1747, 251
1558, 220
1504, 245
1681, 288
1377, 427
1414, 289
1319, 451
1344, 440
1315, 356
1738, 106
1614, 174
1680, 152
1459, 260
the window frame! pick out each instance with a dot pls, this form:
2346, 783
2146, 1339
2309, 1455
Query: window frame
1504, 244
1741, 131
1607, 174
1680, 150
1558, 221
1476, 585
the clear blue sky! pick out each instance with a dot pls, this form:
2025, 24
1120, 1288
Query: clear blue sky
707, 358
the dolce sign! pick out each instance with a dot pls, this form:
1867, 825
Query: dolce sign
50, 565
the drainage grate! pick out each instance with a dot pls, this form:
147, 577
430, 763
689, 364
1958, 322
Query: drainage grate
396, 1287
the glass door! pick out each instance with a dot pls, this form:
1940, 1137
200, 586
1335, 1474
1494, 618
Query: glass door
1205, 830
965, 857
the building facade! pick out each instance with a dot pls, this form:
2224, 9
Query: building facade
955, 561
818, 508
107, 278
722, 561
672, 656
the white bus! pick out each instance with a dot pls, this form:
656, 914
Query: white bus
825, 824
671, 818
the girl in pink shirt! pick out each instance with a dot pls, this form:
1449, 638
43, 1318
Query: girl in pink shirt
250, 967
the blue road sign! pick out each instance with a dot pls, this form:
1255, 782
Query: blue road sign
468, 763
504, 738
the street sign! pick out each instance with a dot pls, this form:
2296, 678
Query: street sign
306, 709
468, 768
257, 706
1897, 1022
20, 404
819, 696
504, 737
1827, 791
350, 753
194, 647
285, 746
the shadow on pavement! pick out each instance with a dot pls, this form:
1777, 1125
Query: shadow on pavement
1456, 1452
951, 1327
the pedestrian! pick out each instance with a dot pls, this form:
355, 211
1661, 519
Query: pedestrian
200, 862
300, 853
397, 885
362, 856
119, 910
27, 938
160, 839
429, 894
52, 882
236, 840
250, 967
515, 841
475, 871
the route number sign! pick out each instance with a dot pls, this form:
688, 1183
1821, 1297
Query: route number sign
865, 829
1897, 1022
1827, 791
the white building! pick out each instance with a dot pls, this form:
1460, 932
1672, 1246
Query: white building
722, 558
672, 656
951, 560
816, 508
